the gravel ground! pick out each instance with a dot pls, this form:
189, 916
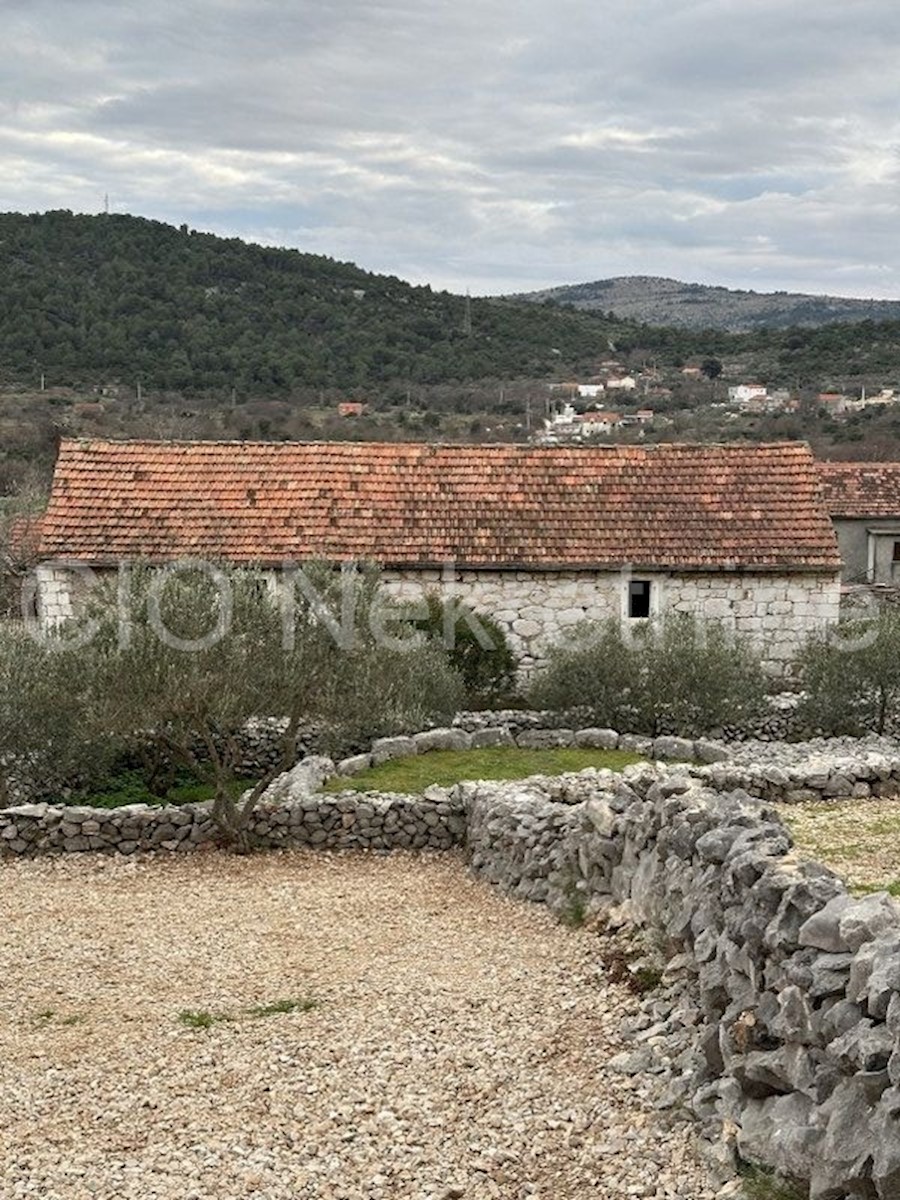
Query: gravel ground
860, 839
456, 1048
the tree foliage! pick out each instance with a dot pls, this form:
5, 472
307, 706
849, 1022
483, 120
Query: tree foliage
679, 676
477, 646
119, 296
850, 677
203, 655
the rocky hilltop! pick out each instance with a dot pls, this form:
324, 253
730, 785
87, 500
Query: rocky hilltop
658, 301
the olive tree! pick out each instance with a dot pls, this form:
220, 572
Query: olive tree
850, 676
677, 675
52, 733
186, 657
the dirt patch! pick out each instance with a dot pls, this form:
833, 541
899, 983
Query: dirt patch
362, 1028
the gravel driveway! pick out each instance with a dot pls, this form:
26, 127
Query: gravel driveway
446, 1042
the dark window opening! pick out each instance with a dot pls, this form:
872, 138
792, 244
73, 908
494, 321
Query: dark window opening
639, 598
896, 551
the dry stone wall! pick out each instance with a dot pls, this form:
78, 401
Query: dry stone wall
778, 1019
292, 810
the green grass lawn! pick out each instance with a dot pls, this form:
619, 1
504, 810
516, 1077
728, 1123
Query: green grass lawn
446, 767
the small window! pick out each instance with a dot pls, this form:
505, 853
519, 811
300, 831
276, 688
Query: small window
896, 552
639, 598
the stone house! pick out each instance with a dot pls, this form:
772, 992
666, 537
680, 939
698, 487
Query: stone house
540, 538
863, 500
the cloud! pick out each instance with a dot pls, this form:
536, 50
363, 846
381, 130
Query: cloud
495, 144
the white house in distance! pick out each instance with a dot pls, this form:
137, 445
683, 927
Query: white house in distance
744, 393
541, 538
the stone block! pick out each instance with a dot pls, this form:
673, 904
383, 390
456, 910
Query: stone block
597, 739
354, 764
442, 739
636, 744
673, 749
491, 737
545, 739
384, 749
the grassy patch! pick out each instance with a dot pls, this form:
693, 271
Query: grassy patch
49, 1016
761, 1183
129, 788
203, 1019
856, 838
446, 767
282, 1006
195, 1018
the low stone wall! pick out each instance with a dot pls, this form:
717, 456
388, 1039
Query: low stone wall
291, 813
781, 772
287, 815
778, 1023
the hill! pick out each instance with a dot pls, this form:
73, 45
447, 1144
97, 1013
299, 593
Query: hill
94, 298
652, 300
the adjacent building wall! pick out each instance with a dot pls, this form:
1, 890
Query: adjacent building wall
866, 546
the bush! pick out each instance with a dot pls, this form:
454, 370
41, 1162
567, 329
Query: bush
677, 676
52, 739
477, 647
697, 676
850, 677
596, 673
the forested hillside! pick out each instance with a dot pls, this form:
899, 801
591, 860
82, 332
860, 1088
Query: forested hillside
106, 296
100, 299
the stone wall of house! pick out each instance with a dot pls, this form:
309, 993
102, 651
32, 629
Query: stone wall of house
536, 608
778, 612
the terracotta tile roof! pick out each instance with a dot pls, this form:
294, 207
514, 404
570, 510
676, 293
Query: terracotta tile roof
693, 507
23, 538
861, 489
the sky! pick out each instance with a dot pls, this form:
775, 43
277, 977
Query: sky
495, 145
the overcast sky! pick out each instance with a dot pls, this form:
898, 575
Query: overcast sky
492, 144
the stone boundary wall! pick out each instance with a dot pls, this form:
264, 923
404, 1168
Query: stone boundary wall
322, 822
778, 1019
291, 811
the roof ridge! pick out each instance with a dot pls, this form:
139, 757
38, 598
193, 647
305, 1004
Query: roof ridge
747, 447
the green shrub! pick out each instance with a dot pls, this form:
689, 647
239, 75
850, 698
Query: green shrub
477, 647
850, 677
597, 673
52, 737
696, 676
675, 676
299, 658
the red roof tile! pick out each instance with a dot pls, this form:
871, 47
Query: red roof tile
861, 489
692, 507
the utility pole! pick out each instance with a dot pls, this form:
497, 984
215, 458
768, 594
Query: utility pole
467, 315
106, 203
139, 392
528, 416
